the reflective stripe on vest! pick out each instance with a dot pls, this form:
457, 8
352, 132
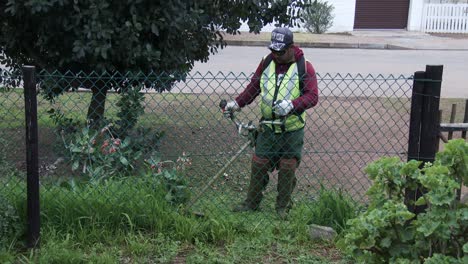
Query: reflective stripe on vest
282, 87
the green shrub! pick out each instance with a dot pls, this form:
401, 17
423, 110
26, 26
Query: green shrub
318, 17
63, 123
116, 148
131, 108
172, 177
389, 232
7, 168
99, 154
9, 222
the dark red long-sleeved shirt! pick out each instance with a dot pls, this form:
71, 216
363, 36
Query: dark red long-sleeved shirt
308, 99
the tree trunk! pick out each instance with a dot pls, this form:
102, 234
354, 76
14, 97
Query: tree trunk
97, 106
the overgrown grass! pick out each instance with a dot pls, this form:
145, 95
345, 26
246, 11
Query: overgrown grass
333, 208
127, 220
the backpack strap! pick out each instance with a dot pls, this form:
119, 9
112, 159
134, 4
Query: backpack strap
301, 69
266, 61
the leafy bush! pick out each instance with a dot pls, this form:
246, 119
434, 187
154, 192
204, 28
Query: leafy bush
318, 17
116, 148
9, 222
62, 122
172, 176
389, 232
99, 154
131, 108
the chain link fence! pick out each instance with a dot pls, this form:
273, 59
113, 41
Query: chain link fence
152, 123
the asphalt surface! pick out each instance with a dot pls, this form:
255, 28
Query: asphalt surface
240, 61
390, 52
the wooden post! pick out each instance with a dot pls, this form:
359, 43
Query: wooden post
414, 139
440, 135
452, 120
32, 156
429, 125
415, 115
465, 118
424, 124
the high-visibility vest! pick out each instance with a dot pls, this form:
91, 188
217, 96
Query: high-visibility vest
281, 87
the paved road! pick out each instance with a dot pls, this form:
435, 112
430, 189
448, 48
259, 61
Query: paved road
239, 59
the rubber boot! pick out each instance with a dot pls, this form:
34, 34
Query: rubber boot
286, 185
258, 181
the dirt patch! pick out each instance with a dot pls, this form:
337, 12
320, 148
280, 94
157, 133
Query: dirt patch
182, 255
342, 135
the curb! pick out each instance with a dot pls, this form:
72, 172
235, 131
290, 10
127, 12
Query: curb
322, 45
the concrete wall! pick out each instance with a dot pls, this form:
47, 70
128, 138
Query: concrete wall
343, 18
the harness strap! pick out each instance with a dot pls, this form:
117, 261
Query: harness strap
301, 69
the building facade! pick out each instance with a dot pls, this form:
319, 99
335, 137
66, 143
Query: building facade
411, 15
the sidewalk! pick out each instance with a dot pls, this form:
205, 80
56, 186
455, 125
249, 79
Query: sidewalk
365, 39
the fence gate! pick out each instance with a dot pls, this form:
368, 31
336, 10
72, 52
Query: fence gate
445, 18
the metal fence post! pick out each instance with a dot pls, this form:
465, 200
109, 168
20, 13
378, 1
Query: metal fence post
32, 157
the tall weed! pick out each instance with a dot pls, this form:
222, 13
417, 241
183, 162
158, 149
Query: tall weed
9, 222
333, 209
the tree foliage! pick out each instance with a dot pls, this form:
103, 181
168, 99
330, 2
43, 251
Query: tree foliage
137, 35
79, 37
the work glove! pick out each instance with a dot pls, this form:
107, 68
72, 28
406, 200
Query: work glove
283, 107
232, 106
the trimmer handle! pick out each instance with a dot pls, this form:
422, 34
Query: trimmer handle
223, 104
228, 114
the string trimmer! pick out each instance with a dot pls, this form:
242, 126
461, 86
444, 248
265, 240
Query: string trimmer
248, 131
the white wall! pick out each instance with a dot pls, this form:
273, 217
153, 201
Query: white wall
343, 17
415, 15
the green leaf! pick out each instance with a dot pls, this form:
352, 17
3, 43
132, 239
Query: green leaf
75, 165
421, 201
126, 142
76, 149
104, 53
124, 161
154, 29
386, 242
429, 228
